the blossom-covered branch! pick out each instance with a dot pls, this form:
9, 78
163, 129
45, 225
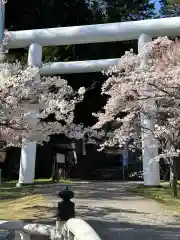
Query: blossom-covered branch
152, 91
26, 99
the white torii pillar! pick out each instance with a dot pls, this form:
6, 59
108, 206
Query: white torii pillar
151, 170
2, 18
28, 150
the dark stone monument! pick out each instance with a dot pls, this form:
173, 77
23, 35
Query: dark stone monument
66, 208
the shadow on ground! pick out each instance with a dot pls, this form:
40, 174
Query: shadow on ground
102, 212
84, 212
115, 230
127, 231
101, 204
94, 190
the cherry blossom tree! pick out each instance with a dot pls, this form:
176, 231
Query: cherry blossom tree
146, 85
26, 101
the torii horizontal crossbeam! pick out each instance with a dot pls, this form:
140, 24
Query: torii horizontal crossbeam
109, 32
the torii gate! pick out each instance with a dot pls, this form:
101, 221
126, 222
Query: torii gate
143, 30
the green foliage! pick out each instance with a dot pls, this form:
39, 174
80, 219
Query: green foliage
170, 8
61, 53
171, 2
46, 13
128, 10
161, 194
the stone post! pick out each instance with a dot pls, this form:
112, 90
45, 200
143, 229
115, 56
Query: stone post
28, 150
151, 170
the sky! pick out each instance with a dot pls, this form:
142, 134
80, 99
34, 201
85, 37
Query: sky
157, 4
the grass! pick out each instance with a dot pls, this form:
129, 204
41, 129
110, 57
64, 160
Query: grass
161, 194
23, 208
26, 202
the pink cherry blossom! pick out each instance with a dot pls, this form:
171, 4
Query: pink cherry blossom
152, 91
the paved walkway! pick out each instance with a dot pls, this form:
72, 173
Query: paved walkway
117, 214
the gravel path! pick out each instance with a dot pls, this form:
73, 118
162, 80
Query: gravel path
117, 214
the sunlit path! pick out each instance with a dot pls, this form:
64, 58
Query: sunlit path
115, 213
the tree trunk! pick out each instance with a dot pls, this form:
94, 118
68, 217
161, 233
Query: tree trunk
55, 171
173, 177
165, 174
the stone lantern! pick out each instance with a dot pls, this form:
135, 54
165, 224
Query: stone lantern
66, 208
